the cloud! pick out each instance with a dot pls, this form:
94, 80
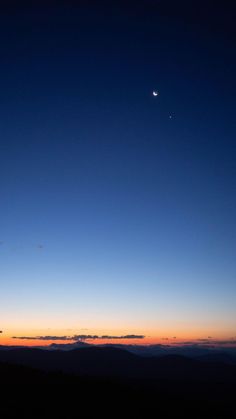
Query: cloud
208, 342
223, 342
42, 337
203, 342
105, 337
122, 337
76, 338
84, 337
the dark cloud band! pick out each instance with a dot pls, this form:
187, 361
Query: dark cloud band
76, 338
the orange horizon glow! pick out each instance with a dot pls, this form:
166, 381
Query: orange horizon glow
149, 339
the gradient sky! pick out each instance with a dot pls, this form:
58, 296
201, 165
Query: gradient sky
114, 217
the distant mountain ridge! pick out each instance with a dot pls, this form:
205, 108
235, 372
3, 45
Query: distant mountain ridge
197, 352
116, 362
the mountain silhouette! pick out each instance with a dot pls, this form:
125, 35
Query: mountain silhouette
115, 362
86, 382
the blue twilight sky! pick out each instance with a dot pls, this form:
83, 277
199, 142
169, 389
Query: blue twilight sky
114, 215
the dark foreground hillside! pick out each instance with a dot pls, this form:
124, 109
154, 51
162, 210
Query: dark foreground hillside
31, 392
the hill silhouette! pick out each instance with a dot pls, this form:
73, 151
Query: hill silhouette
115, 362
114, 383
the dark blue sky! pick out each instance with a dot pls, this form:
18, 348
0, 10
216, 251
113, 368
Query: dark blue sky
109, 208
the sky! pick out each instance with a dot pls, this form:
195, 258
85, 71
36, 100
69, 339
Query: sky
117, 207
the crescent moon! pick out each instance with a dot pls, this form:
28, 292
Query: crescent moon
155, 93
